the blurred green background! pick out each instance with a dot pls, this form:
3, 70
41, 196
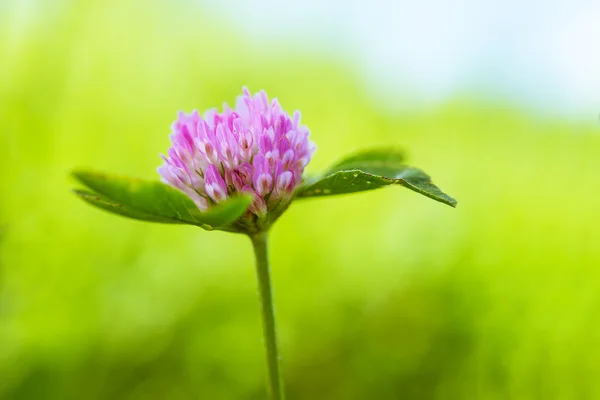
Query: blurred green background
384, 295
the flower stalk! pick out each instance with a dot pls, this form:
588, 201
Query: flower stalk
265, 294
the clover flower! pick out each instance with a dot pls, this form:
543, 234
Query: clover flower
256, 149
237, 171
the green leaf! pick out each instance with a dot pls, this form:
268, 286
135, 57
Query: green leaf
373, 161
373, 169
109, 205
155, 201
227, 212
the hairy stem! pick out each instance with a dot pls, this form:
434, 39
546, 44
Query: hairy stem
265, 294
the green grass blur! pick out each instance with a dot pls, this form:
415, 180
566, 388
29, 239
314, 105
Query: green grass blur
384, 295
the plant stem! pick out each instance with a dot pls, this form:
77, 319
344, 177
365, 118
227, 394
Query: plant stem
265, 294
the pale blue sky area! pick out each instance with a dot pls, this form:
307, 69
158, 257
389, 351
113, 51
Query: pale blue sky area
543, 55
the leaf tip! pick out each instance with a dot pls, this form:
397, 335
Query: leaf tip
76, 173
82, 176
80, 192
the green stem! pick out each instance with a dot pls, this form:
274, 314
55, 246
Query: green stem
265, 294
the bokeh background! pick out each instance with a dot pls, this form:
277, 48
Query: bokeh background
383, 295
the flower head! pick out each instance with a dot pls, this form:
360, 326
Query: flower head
256, 149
